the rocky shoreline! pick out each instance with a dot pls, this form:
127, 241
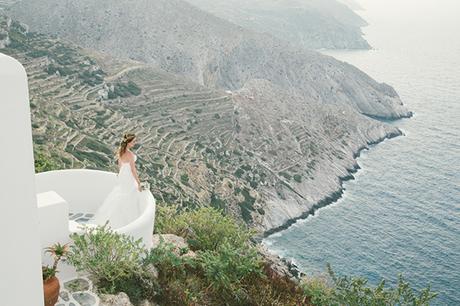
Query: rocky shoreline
288, 266
335, 196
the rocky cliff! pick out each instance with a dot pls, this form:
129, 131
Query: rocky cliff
312, 24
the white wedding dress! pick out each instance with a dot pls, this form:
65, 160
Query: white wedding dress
121, 206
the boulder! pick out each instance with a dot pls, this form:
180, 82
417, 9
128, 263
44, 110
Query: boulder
179, 244
121, 299
281, 266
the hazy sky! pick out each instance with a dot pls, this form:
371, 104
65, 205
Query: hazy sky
423, 9
417, 21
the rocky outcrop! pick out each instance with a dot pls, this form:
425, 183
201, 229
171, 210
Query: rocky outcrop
281, 266
311, 150
120, 299
181, 247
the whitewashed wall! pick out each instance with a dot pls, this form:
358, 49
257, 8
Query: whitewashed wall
20, 261
53, 220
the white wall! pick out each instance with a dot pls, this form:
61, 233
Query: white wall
53, 222
20, 261
85, 190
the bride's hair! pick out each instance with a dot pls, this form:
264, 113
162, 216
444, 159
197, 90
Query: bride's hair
127, 138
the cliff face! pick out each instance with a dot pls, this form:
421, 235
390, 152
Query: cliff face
308, 148
247, 123
182, 39
312, 24
352, 4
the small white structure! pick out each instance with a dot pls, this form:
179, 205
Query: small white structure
79, 192
20, 261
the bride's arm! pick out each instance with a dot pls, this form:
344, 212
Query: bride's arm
133, 170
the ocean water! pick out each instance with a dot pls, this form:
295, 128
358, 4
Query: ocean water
402, 212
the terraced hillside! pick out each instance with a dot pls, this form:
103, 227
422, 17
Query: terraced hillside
260, 154
79, 115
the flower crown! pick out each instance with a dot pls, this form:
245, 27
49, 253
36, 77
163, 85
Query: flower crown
126, 137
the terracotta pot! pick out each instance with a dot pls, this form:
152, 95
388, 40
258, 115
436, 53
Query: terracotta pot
51, 291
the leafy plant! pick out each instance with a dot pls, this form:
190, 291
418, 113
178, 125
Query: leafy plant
204, 228
115, 261
346, 290
226, 268
43, 162
138, 286
318, 291
58, 251
108, 256
166, 260
180, 280
48, 272
166, 219
124, 90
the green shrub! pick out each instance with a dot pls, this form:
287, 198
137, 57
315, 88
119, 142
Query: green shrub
138, 286
354, 291
37, 53
346, 290
124, 90
166, 260
63, 71
115, 261
247, 206
218, 203
166, 219
318, 291
108, 256
285, 174
43, 162
206, 228
184, 178
133, 88
226, 267
298, 178
239, 172
180, 282
92, 78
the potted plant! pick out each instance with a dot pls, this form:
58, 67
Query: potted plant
50, 281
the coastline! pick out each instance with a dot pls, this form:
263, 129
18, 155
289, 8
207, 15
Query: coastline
335, 196
291, 266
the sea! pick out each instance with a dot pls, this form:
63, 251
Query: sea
401, 213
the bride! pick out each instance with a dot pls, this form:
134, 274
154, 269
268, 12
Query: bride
121, 206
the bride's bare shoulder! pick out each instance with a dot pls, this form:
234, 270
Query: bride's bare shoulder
126, 157
131, 154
